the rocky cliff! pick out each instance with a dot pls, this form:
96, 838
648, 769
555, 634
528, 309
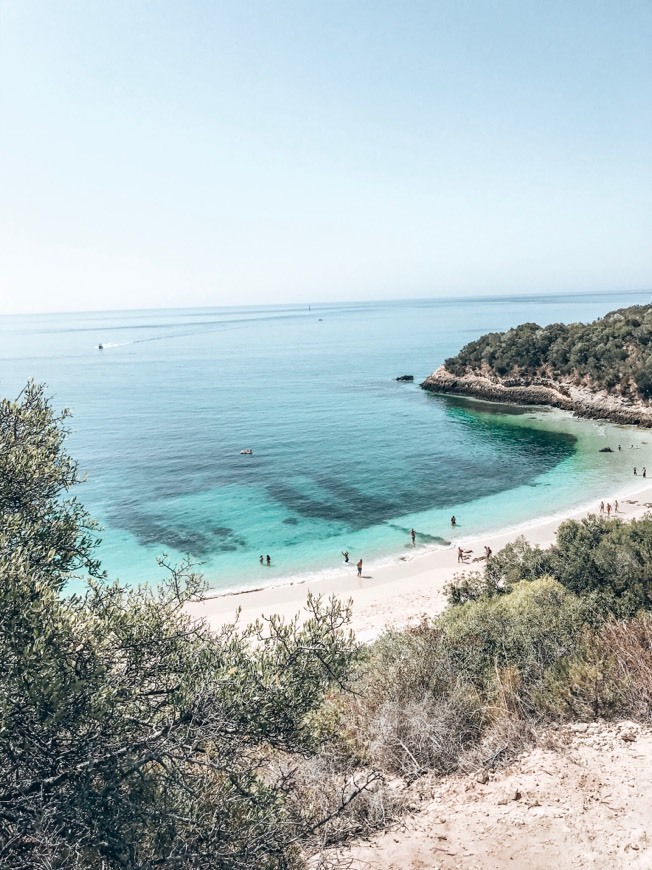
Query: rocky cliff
580, 400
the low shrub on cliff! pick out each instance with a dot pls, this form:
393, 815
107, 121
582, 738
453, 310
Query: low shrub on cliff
426, 696
469, 686
609, 675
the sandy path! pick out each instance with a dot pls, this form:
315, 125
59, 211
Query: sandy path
400, 593
586, 803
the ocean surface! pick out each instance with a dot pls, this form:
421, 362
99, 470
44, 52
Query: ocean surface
344, 456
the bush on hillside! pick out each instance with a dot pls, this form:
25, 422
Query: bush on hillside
606, 559
427, 695
609, 675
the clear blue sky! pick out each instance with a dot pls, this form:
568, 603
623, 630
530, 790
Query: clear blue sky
198, 152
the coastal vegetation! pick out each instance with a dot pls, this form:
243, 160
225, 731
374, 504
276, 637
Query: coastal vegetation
613, 353
132, 736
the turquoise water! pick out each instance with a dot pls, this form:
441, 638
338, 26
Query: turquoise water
344, 456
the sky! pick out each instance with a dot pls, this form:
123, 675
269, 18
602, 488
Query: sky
159, 153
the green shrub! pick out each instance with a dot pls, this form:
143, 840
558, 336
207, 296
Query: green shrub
606, 556
529, 629
609, 675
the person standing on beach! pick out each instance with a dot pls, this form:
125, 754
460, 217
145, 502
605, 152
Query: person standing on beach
615, 505
644, 471
608, 509
601, 507
634, 468
359, 567
460, 554
413, 535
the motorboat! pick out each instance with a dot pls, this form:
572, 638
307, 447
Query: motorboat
247, 452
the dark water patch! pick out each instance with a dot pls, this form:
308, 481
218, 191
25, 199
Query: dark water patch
356, 499
305, 505
481, 455
367, 509
481, 406
422, 537
199, 540
425, 538
181, 540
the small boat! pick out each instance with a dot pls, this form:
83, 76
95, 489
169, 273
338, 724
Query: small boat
100, 347
246, 452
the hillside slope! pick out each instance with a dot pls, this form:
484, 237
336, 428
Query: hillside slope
582, 798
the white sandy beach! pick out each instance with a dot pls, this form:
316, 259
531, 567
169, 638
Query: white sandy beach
401, 593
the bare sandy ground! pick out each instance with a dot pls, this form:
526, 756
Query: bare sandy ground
581, 799
401, 593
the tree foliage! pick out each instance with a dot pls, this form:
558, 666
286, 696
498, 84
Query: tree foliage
606, 559
613, 353
131, 735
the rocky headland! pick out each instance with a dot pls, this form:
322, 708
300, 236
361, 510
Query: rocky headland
581, 400
601, 369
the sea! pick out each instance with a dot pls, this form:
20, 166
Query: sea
344, 456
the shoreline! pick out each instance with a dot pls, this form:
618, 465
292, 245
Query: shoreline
402, 592
542, 392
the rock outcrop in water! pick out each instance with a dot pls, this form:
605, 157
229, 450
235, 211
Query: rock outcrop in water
581, 401
601, 370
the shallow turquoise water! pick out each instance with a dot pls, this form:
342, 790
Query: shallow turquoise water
344, 456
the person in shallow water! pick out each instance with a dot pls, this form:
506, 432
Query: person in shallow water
453, 521
345, 553
359, 566
268, 560
261, 560
413, 535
